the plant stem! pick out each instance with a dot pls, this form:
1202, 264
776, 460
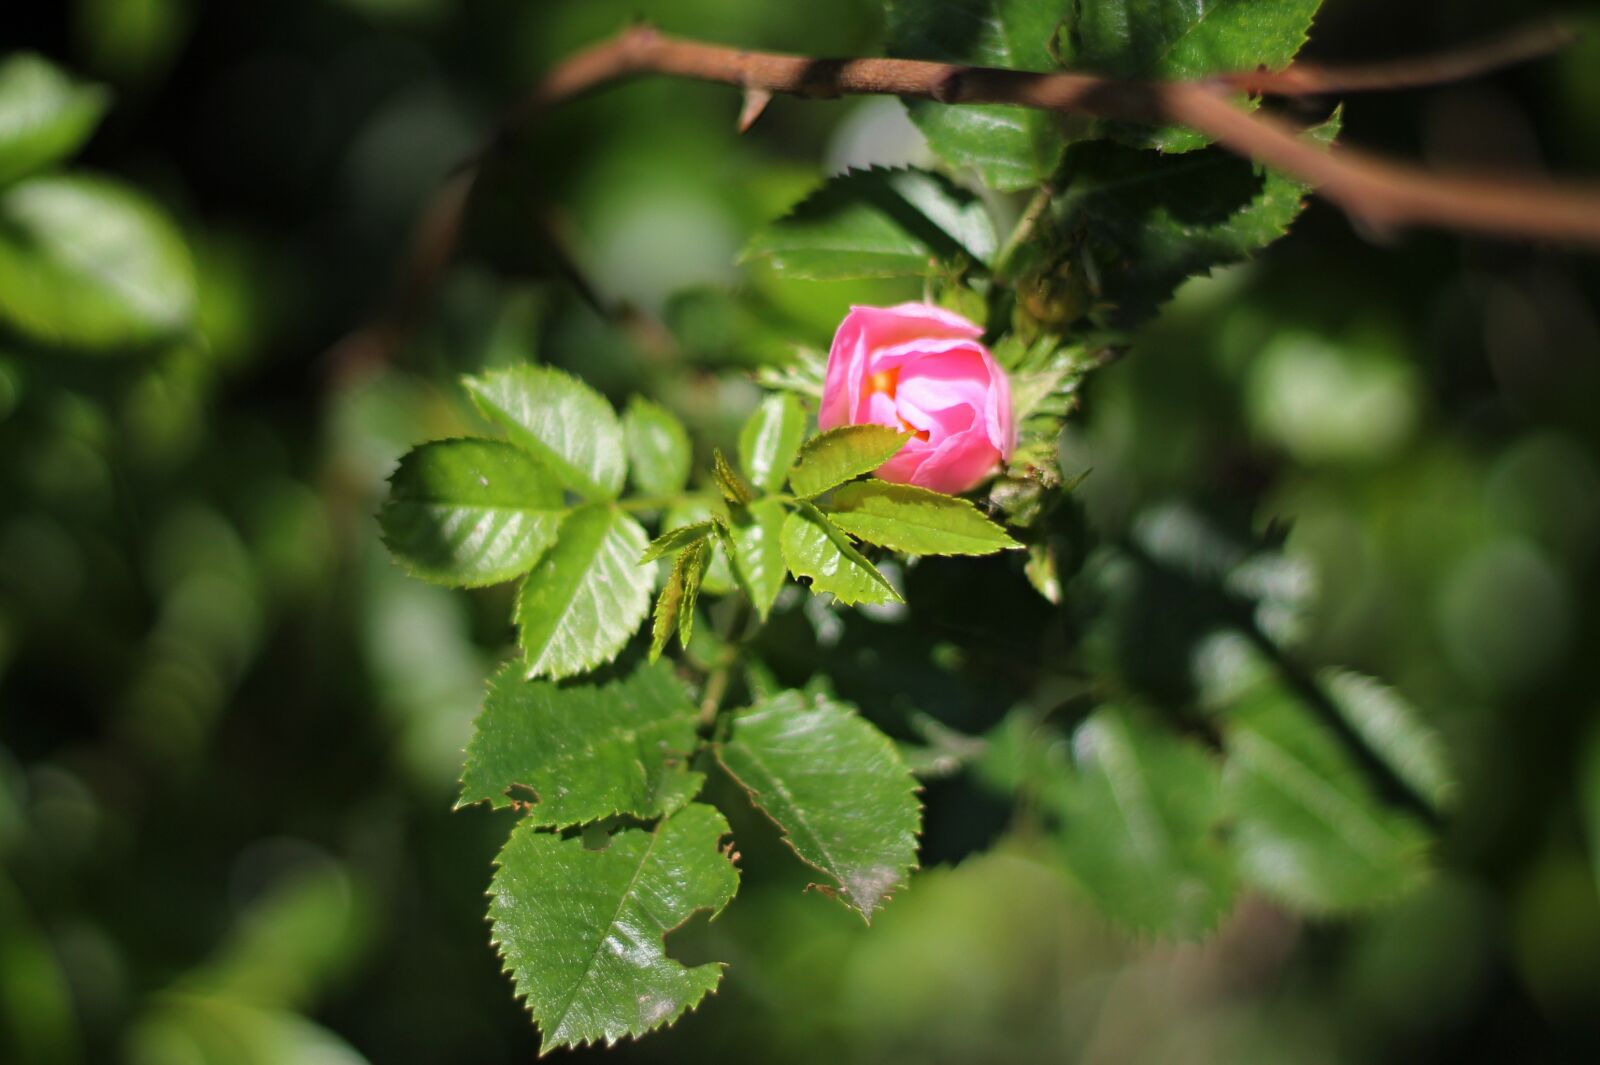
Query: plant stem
1023, 231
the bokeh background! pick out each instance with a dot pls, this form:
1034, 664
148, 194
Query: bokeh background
230, 727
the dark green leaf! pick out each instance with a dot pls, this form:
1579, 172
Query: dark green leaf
840, 454
836, 786
1140, 826
586, 596
903, 517
45, 116
813, 548
90, 263
560, 419
877, 223
470, 512
658, 448
581, 931
580, 753
1010, 147
1308, 829
758, 552
771, 439
1179, 40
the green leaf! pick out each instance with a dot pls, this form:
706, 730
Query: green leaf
840, 454
1140, 826
771, 439
689, 571
560, 419
813, 548
877, 223
1150, 221
579, 753
677, 539
704, 508
581, 931
836, 786
658, 448
91, 263
45, 115
903, 517
757, 535
1179, 40
1308, 829
1011, 148
1395, 731
586, 596
729, 483
470, 512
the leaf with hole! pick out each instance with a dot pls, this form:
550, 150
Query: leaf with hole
903, 517
579, 753
837, 787
561, 420
470, 512
877, 223
814, 548
586, 596
582, 931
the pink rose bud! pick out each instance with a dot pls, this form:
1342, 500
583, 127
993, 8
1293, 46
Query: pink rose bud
920, 369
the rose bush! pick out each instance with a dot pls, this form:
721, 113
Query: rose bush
921, 368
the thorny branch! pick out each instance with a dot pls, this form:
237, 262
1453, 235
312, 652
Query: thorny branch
1378, 192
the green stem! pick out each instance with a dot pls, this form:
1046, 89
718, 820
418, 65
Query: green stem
1022, 232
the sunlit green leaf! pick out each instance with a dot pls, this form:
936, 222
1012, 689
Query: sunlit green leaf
580, 752
903, 517
839, 454
877, 223
1140, 826
771, 439
693, 511
658, 448
586, 596
757, 533
678, 538
470, 512
560, 419
581, 931
1010, 147
88, 262
1395, 731
729, 483
837, 787
45, 115
814, 548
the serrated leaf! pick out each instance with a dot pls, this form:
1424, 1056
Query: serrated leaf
659, 454
560, 419
470, 512
580, 752
757, 534
836, 786
838, 455
691, 511
1140, 826
581, 931
90, 263
903, 517
1308, 829
690, 571
1180, 40
1149, 221
1011, 148
877, 223
729, 483
771, 439
814, 548
586, 596
677, 539
1395, 731
45, 115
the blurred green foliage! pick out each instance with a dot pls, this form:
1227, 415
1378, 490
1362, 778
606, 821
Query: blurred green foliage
230, 728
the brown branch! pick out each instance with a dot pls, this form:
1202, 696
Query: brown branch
1463, 64
1376, 191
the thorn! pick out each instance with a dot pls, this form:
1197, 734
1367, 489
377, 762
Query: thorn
755, 102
